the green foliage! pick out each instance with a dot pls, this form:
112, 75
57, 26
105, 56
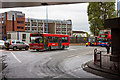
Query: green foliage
97, 13
87, 34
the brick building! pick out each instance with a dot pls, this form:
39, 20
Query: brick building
15, 21
11, 21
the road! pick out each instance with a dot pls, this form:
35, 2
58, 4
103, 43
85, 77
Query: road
66, 63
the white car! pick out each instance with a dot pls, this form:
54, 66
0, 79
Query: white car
1, 44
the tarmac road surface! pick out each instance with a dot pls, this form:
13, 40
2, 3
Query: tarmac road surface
66, 63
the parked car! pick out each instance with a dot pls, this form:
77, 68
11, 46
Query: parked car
16, 44
1, 44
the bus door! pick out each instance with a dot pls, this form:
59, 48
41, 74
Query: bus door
45, 42
59, 42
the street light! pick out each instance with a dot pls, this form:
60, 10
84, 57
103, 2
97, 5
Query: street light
46, 19
117, 8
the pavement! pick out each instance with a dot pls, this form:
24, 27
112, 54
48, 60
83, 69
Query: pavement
107, 73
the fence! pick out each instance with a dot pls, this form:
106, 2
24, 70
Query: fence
102, 60
78, 39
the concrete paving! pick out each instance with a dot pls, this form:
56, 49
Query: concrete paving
107, 73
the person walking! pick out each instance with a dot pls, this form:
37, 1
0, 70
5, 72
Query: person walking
108, 47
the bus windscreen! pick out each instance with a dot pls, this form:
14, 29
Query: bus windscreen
37, 39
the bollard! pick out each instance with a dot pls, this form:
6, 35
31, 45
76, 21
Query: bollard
100, 60
95, 55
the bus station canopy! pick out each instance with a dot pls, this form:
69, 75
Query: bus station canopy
30, 3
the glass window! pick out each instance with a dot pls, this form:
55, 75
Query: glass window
13, 41
18, 27
109, 32
64, 39
17, 42
50, 39
37, 39
21, 42
20, 21
103, 40
9, 36
22, 27
91, 39
54, 39
24, 36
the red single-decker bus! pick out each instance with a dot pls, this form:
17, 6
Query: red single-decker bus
42, 41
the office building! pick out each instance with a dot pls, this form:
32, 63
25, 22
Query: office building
11, 21
54, 26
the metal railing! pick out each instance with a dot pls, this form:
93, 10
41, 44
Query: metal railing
102, 60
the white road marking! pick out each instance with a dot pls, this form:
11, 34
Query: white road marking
72, 49
16, 58
71, 56
1, 50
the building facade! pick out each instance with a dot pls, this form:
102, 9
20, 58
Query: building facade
11, 21
79, 34
23, 36
54, 26
15, 21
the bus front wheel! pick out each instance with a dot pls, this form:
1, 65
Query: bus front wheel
37, 49
49, 48
63, 47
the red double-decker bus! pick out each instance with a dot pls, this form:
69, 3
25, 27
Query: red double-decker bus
104, 37
41, 41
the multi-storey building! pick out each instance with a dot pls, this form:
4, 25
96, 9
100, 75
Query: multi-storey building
11, 21
54, 26
15, 21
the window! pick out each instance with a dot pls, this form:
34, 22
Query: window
34, 24
52, 39
13, 41
21, 42
9, 36
20, 22
17, 42
18, 27
22, 27
109, 32
37, 39
24, 36
64, 39
27, 24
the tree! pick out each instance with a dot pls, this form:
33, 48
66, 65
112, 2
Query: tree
97, 13
87, 34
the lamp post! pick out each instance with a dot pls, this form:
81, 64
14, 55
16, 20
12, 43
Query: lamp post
46, 19
117, 8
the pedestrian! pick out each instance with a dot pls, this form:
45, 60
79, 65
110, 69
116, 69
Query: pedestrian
108, 47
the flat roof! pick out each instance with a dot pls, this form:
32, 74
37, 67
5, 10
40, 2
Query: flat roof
78, 32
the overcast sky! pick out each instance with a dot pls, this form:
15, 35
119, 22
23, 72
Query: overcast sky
76, 12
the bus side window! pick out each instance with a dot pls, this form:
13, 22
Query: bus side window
50, 39
66, 39
54, 39
62, 39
